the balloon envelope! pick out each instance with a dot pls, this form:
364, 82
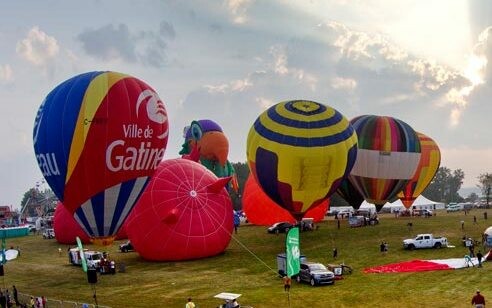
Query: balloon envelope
387, 157
350, 194
430, 159
66, 227
212, 144
299, 152
261, 210
185, 213
98, 138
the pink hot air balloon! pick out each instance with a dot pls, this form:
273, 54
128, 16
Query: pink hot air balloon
184, 213
261, 210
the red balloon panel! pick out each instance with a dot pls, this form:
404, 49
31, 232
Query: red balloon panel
261, 210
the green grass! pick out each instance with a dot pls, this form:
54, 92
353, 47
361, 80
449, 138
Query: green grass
248, 266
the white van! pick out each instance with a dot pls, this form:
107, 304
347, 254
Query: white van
453, 207
92, 257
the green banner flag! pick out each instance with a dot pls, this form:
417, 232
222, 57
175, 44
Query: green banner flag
4, 258
293, 252
82, 254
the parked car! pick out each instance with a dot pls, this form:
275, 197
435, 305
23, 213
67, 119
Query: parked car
280, 227
315, 274
48, 233
424, 213
453, 208
306, 224
126, 247
345, 213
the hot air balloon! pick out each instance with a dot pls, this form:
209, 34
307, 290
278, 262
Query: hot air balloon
184, 213
350, 194
206, 140
261, 210
430, 159
388, 155
66, 227
299, 152
98, 138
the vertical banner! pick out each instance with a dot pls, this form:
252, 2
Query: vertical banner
292, 251
82, 254
4, 258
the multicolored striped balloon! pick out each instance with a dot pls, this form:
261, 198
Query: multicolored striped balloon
387, 157
350, 194
98, 137
430, 160
299, 151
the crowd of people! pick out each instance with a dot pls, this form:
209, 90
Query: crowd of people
9, 299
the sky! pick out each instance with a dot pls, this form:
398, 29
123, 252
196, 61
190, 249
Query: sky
423, 62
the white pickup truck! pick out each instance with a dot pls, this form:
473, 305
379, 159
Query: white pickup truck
425, 241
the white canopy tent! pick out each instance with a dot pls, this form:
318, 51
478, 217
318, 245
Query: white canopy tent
421, 203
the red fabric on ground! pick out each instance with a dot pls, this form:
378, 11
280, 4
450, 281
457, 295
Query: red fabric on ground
409, 266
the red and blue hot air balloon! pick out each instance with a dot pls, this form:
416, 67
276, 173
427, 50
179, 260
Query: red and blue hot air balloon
98, 138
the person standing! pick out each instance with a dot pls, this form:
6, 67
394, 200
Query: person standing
474, 219
335, 253
3, 300
382, 247
479, 258
462, 225
190, 303
14, 293
478, 300
287, 283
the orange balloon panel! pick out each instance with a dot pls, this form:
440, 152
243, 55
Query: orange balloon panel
430, 159
261, 210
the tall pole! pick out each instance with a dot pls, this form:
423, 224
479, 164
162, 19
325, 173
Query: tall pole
288, 297
93, 285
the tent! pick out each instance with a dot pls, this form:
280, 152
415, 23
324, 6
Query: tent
421, 203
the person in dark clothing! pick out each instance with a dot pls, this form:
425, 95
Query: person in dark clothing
479, 258
335, 253
14, 293
478, 300
382, 247
3, 300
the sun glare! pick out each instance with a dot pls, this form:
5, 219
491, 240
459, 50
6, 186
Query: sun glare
474, 69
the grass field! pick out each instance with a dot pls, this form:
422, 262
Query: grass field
248, 266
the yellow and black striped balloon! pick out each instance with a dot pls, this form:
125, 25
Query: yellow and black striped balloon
299, 151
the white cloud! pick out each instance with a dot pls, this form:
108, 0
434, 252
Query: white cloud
357, 44
110, 43
38, 47
238, 9
6, 74
343, 83
239, 85
264, 103
378, 53
279, 60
